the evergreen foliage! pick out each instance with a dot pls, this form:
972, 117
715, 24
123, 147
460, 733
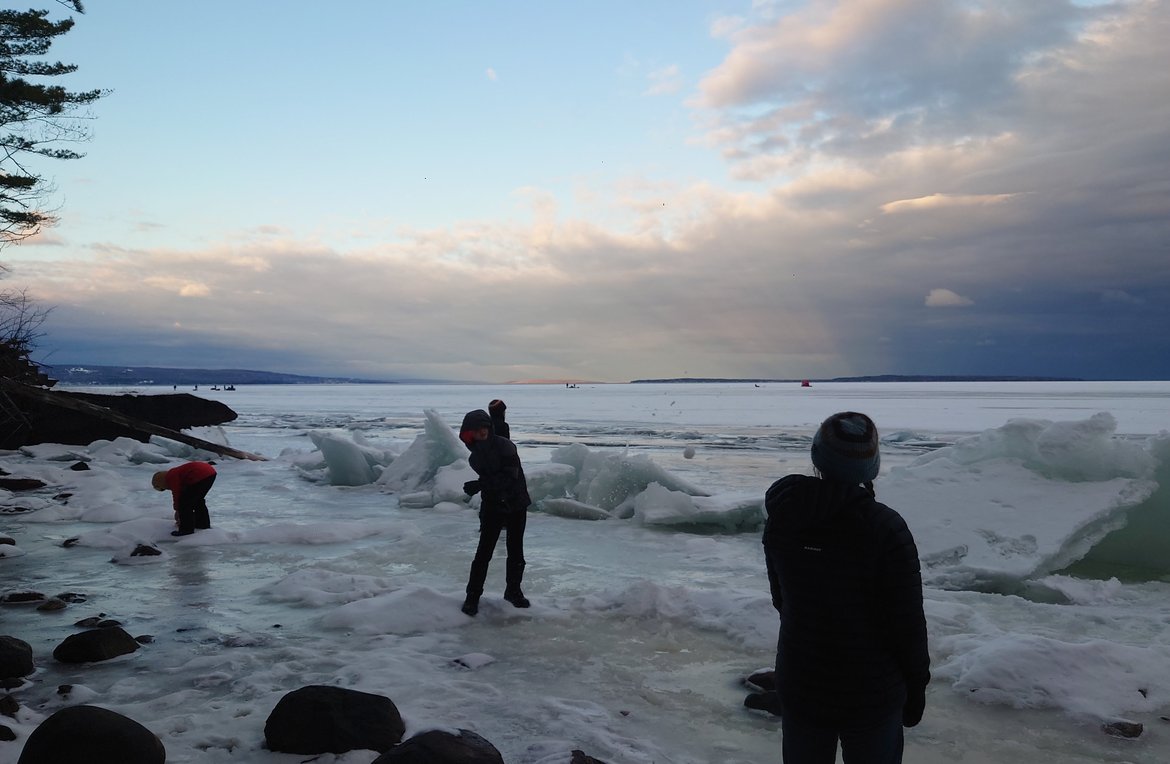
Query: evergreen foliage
36, 117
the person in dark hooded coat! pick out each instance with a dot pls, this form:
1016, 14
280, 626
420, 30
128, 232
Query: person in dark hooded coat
852, 664
503, 507
497, 408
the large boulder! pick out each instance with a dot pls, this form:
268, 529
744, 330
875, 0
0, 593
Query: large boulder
92, 735
62, 422
95, 645
441, 747
15, 658
323, 719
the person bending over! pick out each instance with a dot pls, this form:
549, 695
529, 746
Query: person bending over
188, 484
503, 507
851, 661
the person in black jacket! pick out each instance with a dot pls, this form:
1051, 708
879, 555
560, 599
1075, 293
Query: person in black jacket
497, 408
851, 662
503, 507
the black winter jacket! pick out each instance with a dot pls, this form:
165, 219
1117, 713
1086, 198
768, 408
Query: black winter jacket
844, 574
499, 426
495, 461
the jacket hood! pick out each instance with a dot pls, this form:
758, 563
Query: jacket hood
800, 501
473, 421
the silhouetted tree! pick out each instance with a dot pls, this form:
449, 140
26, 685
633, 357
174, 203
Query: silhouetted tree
35, 117
20, 320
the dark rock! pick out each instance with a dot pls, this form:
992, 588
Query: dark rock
70, 542
92, 735
108, 623
64, 689
762, 681
764, 701
48, 423
144, 639
441, 747
21, 598
91, 621
52, 604
21, 484
579, 757
1123, 729
11, 683
6, 539
72, 597
322, 719
143, 550
9, 706
79, 467
95, 645
6, 734
16, 658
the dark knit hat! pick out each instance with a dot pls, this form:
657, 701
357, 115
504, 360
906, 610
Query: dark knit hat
497, 406
845, 449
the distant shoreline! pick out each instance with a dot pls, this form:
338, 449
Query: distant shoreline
874, 378
85, 375
82, 375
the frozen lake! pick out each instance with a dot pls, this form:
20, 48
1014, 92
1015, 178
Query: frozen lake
639, 634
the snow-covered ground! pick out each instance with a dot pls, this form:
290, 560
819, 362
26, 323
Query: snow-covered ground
1039, 511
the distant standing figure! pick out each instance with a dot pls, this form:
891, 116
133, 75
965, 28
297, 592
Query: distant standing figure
497, 408
851, 661
188, 484
503, 507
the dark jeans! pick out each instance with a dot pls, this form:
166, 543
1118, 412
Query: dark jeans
491, 522
193, 506
879, 743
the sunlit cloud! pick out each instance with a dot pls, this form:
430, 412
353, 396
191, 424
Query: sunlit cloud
45, 237
945, 298
944, 201
174, 284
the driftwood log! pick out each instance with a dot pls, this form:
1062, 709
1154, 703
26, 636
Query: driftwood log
36, 415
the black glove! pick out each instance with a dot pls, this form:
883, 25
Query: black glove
471, 487
915, 705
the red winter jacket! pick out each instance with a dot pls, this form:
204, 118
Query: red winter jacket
185, 475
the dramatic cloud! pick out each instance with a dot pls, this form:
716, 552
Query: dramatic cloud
1013, 151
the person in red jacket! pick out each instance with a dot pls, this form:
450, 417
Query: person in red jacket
188, 484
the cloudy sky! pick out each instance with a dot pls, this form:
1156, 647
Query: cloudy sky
614, 190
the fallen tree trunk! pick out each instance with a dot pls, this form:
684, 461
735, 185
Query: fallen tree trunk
139, 426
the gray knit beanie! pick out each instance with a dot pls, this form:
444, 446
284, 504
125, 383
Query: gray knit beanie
845, 449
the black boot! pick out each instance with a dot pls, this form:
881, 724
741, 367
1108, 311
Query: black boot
765, 701
471, 604
516, 597
515, 574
